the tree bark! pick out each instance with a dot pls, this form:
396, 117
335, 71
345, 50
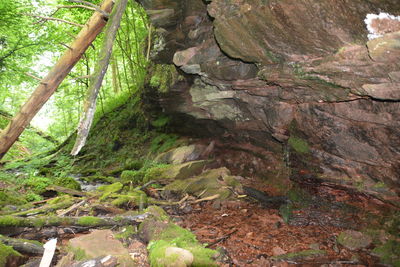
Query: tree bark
99, 73
51, 82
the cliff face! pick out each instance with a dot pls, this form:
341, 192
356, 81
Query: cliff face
298, 79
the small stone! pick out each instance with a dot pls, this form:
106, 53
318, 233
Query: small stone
184, 257
276, 251
354, 240
216, 204
314, 246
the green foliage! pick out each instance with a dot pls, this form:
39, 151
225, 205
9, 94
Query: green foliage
37, 184
161, 121
133, 176
163, 142
133, 164
9, 197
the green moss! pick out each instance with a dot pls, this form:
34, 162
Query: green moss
286, 212
37, 184
9, 197
299, 196
133, 164
155, 173
135, 198
133, 176
163, 77
89, 221
99, 178
126, 233
10, 221
175, 236
5, 252
68, 182
299, 145
163, 142
110, 189
389, 253
79, 254
301, 254
157, 212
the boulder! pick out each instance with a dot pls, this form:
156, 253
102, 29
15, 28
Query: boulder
354, 240
101, 243
181, 154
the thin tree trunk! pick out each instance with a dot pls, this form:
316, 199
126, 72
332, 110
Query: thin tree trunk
114, 76
51, 82
97, 78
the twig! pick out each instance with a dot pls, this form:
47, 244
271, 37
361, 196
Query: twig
147, 184
72, 208
149, 44
56, 19
221, 239
183, 199
78, 6
43, 201
66, 46
33, 76
97, 8
207, 198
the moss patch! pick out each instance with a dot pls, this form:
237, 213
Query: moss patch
389, 253
89, 221
68, 182
5, 253
299, 145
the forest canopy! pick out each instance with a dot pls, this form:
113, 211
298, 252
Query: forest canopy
34, 34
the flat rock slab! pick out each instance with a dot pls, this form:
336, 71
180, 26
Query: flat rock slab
102, 243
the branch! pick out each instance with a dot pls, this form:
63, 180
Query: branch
95, 7
78, 6
56, 19
33, 76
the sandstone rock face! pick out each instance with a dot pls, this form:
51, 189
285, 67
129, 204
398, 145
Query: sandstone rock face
299, 79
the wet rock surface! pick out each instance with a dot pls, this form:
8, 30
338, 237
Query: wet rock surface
282, 74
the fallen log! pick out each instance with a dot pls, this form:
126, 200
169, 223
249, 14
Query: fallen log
66, 190
23, 246
88, 221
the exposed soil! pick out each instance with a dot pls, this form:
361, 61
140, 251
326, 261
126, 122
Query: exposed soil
249, 234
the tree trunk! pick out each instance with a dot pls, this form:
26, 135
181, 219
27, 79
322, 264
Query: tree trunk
97, 77
50, 83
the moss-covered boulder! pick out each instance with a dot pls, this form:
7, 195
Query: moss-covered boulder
181, 154
166, 238
210, 183
354, 240
175, 172
100, 243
